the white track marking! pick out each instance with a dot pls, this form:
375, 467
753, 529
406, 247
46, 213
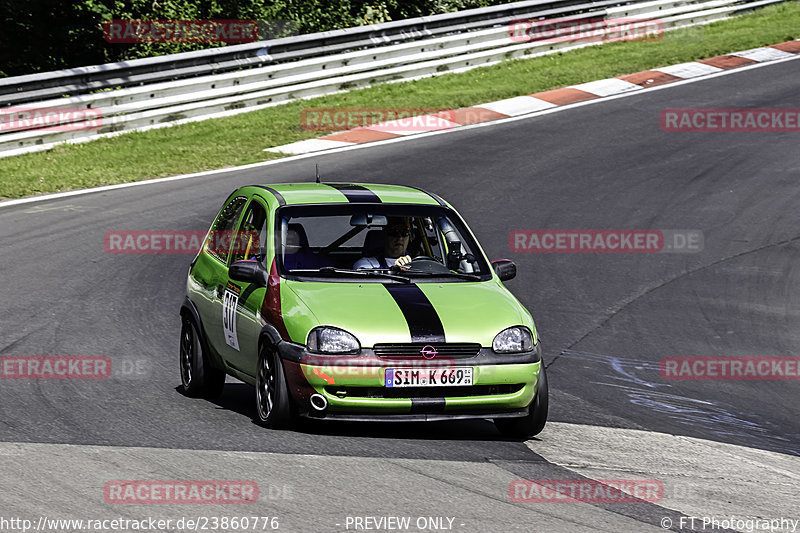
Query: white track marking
689, 70
608, 87
763, 54
518, 105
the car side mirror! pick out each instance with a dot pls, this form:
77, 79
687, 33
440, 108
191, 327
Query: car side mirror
505, 269
249, 271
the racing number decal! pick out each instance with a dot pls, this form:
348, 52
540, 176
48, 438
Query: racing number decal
229, 303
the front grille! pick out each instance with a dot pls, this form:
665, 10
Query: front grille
414, 349
423, 392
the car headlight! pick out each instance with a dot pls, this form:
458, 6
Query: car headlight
513, 340
325, 339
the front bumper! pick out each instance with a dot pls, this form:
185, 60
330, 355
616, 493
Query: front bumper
503, 386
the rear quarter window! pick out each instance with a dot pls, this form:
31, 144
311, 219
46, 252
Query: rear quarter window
225, 226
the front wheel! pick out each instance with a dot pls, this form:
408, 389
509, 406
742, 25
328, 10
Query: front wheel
532, 424
199, 378
272, 396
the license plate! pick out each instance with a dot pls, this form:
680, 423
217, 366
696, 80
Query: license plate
429, 377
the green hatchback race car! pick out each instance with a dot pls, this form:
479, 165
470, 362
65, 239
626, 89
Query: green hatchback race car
358, 302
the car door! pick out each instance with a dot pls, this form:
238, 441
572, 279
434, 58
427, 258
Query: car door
210, 272
241, 302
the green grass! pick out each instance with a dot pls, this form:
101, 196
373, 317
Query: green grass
240, 139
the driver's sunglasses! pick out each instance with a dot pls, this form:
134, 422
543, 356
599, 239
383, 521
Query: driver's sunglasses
398, 232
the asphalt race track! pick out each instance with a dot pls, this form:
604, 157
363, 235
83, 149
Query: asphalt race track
721, 448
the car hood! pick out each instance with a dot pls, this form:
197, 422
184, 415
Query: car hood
378, 313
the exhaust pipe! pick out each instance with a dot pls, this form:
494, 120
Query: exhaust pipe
318, 402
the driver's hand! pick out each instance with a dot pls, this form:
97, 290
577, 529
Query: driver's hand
406, 259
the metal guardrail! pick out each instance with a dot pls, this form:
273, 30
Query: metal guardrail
166, 90
22, 89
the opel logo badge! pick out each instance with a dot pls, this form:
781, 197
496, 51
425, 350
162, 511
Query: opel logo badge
428, 352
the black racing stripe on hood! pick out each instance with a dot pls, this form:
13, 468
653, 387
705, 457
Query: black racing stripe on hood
423, 320
356, 193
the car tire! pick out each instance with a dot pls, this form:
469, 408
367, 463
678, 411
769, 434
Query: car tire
533, 423
273, 407
199, 377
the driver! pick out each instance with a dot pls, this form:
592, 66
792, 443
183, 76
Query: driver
396, 236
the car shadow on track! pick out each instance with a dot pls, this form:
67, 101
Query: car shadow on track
239, 398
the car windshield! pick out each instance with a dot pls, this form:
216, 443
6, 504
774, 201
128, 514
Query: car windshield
362, 243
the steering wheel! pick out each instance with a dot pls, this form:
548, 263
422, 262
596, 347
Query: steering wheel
426, 263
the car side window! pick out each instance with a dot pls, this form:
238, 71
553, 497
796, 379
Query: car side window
250, 241
220, 235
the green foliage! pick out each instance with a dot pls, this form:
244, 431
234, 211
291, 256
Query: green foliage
45, 35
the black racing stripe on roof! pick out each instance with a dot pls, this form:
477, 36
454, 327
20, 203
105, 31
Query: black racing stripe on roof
356, 193
422, 319
275, 193
434, 196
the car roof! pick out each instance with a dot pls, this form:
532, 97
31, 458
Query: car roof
342, 193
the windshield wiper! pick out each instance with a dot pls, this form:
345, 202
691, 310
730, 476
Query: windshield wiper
363, 272
462, 275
